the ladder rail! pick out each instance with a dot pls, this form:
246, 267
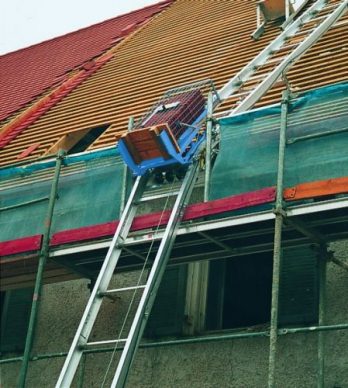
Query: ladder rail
267, 83
91, 311
243, 75
294, 14
155, 277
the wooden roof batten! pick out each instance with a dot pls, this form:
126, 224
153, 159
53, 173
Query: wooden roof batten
117, 88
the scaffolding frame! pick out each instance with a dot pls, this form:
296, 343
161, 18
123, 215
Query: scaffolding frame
280, 214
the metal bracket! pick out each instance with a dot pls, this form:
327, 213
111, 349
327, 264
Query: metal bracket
256, 35
280, 212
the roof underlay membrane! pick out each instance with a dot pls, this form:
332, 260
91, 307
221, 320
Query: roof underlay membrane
188, 41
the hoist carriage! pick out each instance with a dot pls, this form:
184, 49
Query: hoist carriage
168, 136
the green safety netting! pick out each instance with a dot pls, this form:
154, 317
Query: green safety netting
89, 193
90, 184
248, 157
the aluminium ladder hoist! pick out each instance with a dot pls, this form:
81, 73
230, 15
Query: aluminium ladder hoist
171, 135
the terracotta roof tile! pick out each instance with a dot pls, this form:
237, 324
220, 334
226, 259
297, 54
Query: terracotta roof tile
26, 73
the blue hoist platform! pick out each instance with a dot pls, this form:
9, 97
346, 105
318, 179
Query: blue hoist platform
169, 134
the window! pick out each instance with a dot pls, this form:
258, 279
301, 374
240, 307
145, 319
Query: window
78, 141
239, 293
239, 290
14, 314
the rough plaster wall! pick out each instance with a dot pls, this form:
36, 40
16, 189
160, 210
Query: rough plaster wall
230, 363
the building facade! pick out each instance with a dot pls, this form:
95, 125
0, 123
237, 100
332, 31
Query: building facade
256, 286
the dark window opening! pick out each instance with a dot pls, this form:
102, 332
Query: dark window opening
14, 314
239, 292
88, 139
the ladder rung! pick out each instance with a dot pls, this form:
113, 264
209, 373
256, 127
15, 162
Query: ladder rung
240, 82
287, 46
317, 18
113, 291
299, 33
158, 196
106, 342
275, 60
328, 7
258, 76
241, 94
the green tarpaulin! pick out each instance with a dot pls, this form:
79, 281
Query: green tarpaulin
248, 156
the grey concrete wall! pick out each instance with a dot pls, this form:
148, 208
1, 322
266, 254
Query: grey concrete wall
229, 363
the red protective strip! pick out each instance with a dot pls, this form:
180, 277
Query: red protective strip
85, 233
158, 219
25, 244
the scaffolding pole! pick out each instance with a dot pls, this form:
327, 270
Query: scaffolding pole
322, 260
82, 371
208, 150
40, 270
279, 215
126, 173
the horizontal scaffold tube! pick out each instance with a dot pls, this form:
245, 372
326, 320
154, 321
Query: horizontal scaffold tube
186, 341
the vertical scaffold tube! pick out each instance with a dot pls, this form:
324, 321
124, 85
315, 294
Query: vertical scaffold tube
277, 241
322, 309
125, 174
210, 108
40, 270
287, 9
82, 371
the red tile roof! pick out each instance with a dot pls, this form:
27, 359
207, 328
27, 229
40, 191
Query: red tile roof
28, 72
30, 115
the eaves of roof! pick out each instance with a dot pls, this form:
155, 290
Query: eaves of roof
191, 40
27, 73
